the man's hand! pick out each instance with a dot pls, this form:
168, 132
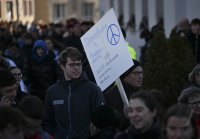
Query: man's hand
5, 101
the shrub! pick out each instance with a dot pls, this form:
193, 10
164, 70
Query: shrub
167, 65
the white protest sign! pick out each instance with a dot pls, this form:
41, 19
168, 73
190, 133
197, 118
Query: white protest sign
106, 50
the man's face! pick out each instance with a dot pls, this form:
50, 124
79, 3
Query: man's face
135, 78
9, 92
77, 29
27, 41
39, 51
17, 74
49, 44
195, 29
72, 69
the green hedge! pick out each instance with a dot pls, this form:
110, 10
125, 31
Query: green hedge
167, 65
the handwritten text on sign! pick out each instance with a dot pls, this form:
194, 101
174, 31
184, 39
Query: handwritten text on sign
106, 50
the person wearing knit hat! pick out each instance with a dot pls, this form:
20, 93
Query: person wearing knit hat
132, 81
132, 78
136, 64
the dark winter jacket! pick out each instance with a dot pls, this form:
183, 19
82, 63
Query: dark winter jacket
40, 73
68, 108
106, 133
113, 98
194, 40
154, 132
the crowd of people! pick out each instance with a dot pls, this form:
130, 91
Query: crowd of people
48, 91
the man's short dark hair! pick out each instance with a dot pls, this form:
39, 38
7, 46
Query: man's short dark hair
69, 52
32, 107
195, 21
148, 99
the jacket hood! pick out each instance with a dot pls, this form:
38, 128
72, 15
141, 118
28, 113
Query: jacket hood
40, 44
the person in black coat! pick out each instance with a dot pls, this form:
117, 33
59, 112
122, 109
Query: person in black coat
42, 70
194, 38
69, 103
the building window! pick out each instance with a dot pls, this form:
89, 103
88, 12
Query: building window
145, 8
87, 11
9, 12
112, 3
159, 9
28, 7
74, 5
25, 8
0, 9
59, 11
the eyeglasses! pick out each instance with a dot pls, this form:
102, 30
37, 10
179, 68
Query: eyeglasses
73, 65
194, 103
17, 74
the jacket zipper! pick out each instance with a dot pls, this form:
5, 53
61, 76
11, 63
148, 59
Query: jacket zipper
68, 102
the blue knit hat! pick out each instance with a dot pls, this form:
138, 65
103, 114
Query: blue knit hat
40, 43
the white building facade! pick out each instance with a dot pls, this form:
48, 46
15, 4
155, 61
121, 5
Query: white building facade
60, 10
171, 11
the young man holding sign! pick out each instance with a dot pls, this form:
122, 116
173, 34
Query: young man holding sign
70, 102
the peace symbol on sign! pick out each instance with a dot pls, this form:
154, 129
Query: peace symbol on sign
113, 34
